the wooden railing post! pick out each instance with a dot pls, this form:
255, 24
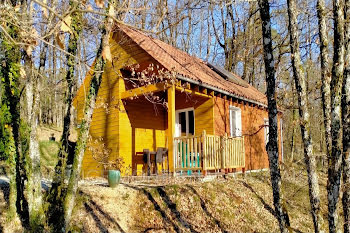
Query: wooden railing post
223, 152
204, 155
243, 153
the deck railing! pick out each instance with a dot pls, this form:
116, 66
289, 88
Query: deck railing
208, 152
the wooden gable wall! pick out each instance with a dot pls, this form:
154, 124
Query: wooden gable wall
109, 120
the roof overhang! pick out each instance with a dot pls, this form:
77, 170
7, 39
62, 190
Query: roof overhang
183, 78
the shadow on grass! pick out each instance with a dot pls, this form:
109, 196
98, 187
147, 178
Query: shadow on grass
205, 209
98, 222
156, 207
92, 206
266, 206
172, 206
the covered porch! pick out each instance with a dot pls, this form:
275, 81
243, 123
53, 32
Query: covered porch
185, 128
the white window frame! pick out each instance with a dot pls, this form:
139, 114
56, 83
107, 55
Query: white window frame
177, 121
236, 127
266, 130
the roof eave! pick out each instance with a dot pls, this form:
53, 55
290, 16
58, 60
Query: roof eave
183, 78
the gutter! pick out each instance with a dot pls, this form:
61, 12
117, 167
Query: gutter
183, 78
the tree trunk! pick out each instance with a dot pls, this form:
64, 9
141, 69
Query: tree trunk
12, 177
346, 124
86, 121
56, 194
272, 146
32, 157
33, 188
300, 84
11, 74
334, 162
325, 73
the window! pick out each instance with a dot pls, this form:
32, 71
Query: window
266, 130
235, 122
184, 122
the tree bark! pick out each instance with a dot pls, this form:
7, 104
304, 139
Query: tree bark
346, 123
272, 146
86, 121
12, 86
300, 84
335, 160
56, 194
32, 157
325, 73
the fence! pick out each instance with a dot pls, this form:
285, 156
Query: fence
208, 152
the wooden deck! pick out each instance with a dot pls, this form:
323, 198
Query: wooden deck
208, 152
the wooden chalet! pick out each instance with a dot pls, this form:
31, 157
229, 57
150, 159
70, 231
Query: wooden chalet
213, 121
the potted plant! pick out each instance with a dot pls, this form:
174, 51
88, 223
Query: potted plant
101, 154
114, 168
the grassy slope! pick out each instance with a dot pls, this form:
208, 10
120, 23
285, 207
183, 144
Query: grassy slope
242, 204
48, 151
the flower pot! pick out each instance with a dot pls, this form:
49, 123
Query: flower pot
113, 178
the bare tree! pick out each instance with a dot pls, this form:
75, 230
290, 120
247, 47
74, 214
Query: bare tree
325, 72
228, 29
101, 59
300, 84
334, 162
346, 123
272, 146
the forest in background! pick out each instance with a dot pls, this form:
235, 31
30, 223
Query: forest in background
294, 51
228, 35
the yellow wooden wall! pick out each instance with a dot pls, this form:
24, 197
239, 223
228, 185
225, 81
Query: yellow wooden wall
203, 110
109, 119
142, 126
126, 127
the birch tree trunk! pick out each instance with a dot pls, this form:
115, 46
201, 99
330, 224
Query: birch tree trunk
272, 146
346, 123
300, 84
325, 73
335, 160
86, 121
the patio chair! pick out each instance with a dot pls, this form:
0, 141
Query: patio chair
161, 155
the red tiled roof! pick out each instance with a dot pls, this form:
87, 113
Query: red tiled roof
189, 66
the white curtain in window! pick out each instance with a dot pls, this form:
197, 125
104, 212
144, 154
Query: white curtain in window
235, 122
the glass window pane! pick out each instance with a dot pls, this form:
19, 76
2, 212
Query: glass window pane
191, 122
182, 119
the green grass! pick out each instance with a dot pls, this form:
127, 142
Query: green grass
48, 152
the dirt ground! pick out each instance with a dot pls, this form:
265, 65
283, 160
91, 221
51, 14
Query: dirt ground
240, 204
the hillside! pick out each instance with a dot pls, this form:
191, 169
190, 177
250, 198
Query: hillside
241, 204
232, 204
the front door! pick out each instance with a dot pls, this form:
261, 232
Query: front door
184, 122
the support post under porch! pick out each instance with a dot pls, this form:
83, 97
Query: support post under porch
171, 126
